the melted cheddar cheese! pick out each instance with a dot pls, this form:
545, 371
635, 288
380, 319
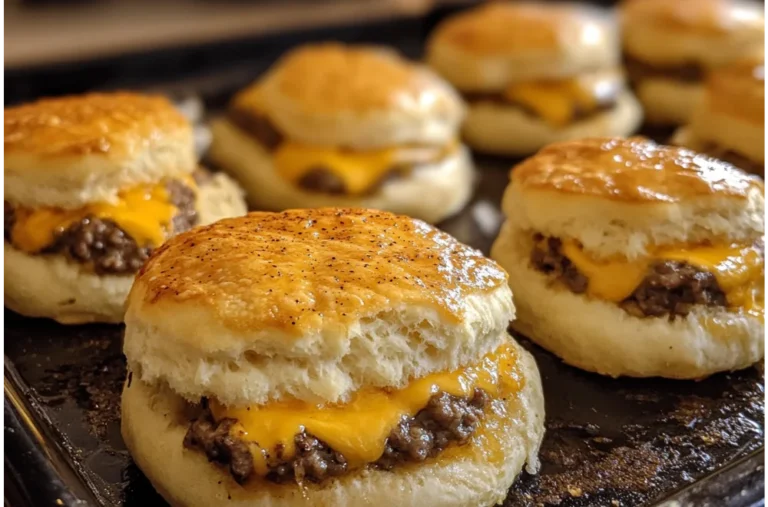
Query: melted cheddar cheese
558, 102
144, 213
360, 171
739, 270
359, 429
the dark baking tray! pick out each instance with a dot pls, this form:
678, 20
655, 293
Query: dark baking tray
608, 442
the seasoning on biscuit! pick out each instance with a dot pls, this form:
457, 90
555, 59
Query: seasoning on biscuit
327, 356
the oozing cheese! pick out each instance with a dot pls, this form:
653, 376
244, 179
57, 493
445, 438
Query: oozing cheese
359, 429
739, 270
360, 171
557, 102
144, 212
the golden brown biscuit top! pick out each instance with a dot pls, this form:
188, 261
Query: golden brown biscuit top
109, 124
501, 28
332, 77
633, 169
739, 90
303, 270
705, 16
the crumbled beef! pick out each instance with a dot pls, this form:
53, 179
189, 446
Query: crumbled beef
257, 126
220, 445
314, 461
321, 179
548, 258
183, 197
672, 288
445, 420
104, 245
638, 70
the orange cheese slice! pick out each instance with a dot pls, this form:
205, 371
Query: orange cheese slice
739, 270
359, 429
359, 170
144, 212
558, 101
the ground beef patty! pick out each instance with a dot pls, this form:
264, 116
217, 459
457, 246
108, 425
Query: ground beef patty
637, 70
214, 438
579, 113
318, 179
445, 420
257, 126
102, 244
547, 258
670, 288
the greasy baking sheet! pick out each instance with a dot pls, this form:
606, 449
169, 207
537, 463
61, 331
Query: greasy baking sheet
609, 442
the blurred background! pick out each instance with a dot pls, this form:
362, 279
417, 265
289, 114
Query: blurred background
56, 47
39, 32
46, 31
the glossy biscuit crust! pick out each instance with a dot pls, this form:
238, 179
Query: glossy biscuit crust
354, 96
705, 32
73, 150
731, 115
632, 170
312, 304
620, 196
315, 268
706, 17
491, 46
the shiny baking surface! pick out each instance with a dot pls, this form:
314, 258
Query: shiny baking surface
302, 270
739, 90
503, 28
633, 169
707, 17
112, 124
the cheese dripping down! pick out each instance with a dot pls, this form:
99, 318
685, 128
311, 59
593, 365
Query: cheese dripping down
144, 212
359, 428
360, 171
738, 269
559, 102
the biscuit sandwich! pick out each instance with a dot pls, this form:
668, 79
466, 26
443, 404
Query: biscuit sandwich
629, 258
670, 46
335, 125
729, 123
93, 183
534, 74
326, 357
